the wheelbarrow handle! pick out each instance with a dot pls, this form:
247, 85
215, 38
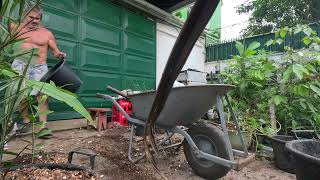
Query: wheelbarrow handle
117, 91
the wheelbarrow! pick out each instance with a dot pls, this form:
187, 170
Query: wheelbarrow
206, 147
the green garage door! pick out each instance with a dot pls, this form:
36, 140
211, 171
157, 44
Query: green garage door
105, 44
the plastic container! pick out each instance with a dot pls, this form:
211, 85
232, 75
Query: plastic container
306, 158
283, 159
63, 76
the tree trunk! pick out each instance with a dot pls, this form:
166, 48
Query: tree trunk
272, 113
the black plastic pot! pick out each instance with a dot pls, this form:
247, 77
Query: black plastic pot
306, 158
63, 76
282, 158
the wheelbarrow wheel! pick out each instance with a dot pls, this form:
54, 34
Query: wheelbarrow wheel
209, 139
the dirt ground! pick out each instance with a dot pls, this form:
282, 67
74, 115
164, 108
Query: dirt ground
112, 163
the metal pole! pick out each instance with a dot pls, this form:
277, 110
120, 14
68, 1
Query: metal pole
219, 106
234, 118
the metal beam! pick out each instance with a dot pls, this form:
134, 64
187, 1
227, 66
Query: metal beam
150, 10
179, 5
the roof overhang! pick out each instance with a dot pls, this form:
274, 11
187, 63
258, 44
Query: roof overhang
170, 5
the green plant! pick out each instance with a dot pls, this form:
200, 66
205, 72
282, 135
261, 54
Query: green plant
298, 91
286, 91
16, 87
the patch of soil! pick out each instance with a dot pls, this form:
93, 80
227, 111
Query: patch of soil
35, 173
114, 147
42, 157
41, 174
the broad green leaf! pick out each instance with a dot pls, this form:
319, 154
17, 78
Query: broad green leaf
55, 93
297, 30
301, 90
316, 39
269, 43
250, 52
259, 75
286, 75
299, 70
239, 47
306, 40
307, 31
40, 124
43, 132
279, 41
311, 107
283, 32
303, 104
277, 99
257, 84
254, 45
315, 89
44, 113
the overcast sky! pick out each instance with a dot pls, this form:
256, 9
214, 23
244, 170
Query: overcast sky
231, 22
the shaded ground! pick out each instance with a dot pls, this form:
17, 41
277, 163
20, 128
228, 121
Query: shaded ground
112, 163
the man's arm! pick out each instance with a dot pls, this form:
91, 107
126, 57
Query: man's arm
54, 48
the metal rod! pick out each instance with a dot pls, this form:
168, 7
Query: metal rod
130, 148
219, 106
123, 112
235, 120
200, 154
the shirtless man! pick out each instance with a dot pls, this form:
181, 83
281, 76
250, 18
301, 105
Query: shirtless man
42, 39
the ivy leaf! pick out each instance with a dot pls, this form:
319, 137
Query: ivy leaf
306, 40
315, 89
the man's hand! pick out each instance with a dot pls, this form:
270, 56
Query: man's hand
59, 55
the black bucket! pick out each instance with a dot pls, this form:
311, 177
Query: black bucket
282, 158
63, 76
306, 158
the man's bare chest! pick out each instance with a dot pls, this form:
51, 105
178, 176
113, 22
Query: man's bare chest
36, 38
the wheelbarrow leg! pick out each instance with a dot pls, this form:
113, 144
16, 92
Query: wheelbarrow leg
130, 147
219, 106
235, 120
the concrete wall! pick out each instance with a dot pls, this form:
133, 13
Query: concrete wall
166, 37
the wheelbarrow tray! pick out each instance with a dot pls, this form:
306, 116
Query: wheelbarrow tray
184, 105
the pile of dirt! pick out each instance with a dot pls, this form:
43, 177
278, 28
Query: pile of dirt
42, 157
113, 146
35, 173
40, 174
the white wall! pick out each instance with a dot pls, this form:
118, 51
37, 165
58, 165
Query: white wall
166, 37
